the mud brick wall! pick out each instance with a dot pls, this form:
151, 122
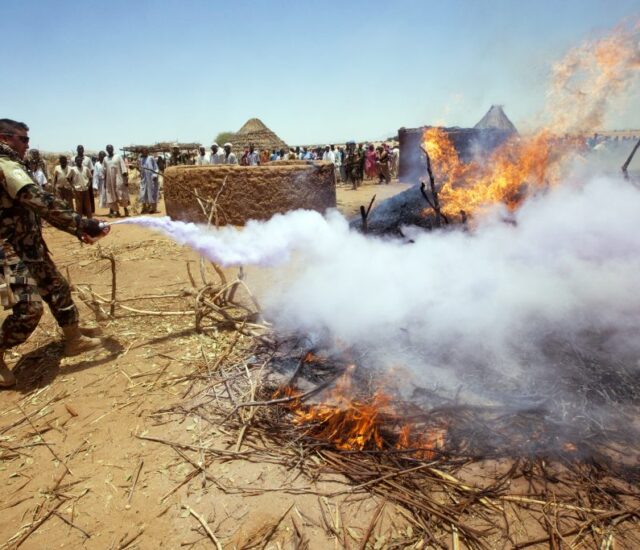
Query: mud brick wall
250, 192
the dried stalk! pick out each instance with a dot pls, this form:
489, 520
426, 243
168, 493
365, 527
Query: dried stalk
204, 526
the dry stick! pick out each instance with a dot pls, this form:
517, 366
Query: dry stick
129, 540
188, 447
135, 481
142, 311
35, 526
282, 400
204, 525
625, 166
382, 478
372, 524
267, 537
112, 260
71, 524
43, 440
365, 214
618, 514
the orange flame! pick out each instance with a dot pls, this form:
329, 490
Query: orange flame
507, 176
358, 424
584, 85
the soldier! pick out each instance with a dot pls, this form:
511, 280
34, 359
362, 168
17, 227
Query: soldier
352, 162
29, 273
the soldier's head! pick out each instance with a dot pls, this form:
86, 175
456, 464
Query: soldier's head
202, 151
110, 150
63, 161
214, 148
101, 155
15, 135
80, 150
251, 148
227, 148
78, 161
144, 153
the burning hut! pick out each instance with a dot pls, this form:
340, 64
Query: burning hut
255, 131
490, 132
242, 193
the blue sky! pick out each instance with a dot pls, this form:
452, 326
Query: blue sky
142, 71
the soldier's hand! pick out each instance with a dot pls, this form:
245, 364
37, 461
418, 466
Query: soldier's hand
94, 230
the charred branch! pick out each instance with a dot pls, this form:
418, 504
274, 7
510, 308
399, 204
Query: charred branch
433, 202
364, 214
625, 166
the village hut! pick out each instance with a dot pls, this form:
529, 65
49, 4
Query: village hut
496, 119
492, 131
255, 131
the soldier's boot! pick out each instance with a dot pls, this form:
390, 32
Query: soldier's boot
75, 342
91, 332
7, 378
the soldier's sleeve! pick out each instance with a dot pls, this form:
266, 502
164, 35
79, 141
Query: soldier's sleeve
57, 212
13, 178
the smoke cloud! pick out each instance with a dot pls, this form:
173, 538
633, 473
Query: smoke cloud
504, 306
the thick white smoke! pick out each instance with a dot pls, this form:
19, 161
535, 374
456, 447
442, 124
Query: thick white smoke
499, 303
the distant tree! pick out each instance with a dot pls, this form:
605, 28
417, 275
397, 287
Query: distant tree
223, 137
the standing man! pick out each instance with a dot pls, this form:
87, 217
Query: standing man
149, 181
352, 163
116, 182
254, 156
201, 159
382, 163
80, 180
229, 157
31, 275
86, 161
337, 163
37, 173
395, 164
98, 180
216, 156
329, 155
60, 182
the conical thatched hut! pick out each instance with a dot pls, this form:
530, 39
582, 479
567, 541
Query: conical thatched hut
496, 119
255, 131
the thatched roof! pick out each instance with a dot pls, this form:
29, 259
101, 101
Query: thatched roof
255, 131
496, 119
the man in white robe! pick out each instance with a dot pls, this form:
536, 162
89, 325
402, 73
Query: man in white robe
99, 188
148, 182
201, 159
116, 181
217, 154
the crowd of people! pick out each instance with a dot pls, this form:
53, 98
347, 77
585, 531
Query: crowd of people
354, 163
104, 178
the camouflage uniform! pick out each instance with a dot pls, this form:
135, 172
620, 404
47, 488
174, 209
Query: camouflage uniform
28, 272
352, 162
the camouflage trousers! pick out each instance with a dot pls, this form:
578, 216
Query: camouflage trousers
29, 284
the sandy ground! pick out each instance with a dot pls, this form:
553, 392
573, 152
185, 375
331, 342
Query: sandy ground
73, 426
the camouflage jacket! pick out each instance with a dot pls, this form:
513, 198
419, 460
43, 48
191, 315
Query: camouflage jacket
23, 204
